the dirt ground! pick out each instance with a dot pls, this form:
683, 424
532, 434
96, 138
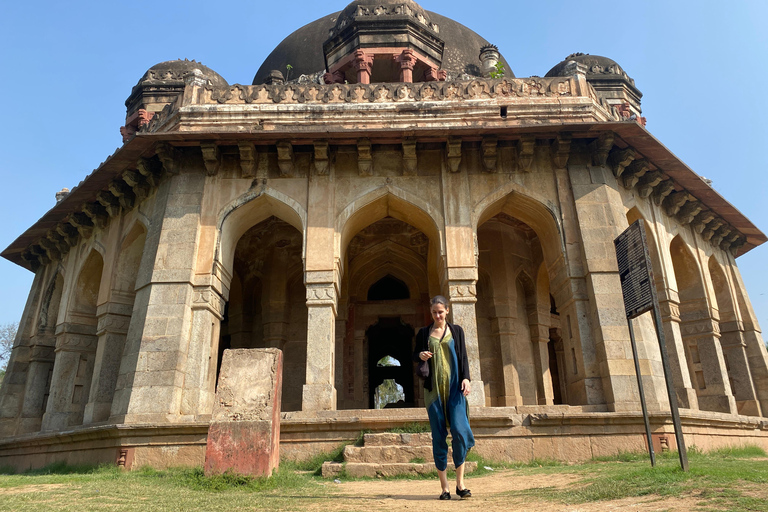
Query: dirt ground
488, 495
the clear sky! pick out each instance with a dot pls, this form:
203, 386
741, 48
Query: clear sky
67, 68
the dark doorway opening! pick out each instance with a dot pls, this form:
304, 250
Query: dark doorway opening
388, 288
390, 337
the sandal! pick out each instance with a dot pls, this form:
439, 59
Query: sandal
445, 496
463, 493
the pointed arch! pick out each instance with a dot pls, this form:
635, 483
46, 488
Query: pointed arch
246, 211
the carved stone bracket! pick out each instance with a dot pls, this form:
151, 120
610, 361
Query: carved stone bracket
205, 297
68, 232
453, 154
285, 158
410, 158
248, 159
211, 158
364, 157
322, 158
561, 150
151, 169
138, 184
110, 203
123, 192
689, 211
662, 190
701, 220
711, 228
619, 159
169, 157
633, 172
648, 182
490, 147
82, 223
675, 201
525, 152
97, 213
720, 234
600, 148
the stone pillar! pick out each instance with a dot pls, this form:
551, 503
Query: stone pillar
319, 392
363, 63
602, 218
154, 364
540, 339
37, 388
737, 364
703, 339
504, 330
71, 380
274, 306
407, 62
112, 328
678, 361
463, 296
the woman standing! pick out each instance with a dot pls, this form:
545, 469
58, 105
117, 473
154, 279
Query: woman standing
442, 344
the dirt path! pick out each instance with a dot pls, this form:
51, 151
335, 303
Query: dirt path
489, 496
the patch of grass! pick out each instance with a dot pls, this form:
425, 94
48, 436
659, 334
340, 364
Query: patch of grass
315, 464
418, 460
411, 428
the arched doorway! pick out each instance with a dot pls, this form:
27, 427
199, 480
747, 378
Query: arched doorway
390, 343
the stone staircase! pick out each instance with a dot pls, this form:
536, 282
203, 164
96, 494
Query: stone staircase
384, 455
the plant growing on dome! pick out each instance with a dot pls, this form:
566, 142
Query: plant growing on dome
499, 70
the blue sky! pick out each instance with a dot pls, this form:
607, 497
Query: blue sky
67, 68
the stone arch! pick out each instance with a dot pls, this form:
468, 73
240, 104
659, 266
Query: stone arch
386, 258
700, 332
389, 201
518, 202
240, 215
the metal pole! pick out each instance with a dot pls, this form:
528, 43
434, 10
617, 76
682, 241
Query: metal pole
642, 393
670, 389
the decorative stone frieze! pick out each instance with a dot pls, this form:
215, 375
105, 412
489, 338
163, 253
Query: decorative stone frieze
285, 158
525, 152
453, 154
490, 147
561, 150
364, 157
211, 158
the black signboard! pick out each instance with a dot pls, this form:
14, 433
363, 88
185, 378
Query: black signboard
635, 270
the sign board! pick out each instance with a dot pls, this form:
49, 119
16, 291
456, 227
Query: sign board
635, 270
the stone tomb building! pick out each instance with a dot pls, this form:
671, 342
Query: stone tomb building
318, 209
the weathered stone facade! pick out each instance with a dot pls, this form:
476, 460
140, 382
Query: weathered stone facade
318, 218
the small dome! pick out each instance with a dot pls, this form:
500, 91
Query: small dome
177, 71
303, 49
596, 65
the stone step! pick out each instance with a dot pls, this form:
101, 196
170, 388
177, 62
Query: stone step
385, 454
390, 439
380, 470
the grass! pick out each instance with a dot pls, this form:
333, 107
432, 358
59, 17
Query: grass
717, 479
723, 480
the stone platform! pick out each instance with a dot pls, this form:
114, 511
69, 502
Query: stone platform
388, 454
566, 433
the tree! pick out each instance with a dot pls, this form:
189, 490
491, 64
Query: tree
7, 337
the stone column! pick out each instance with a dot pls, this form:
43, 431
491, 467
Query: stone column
71, 380
504, 326
407, 62
463, 296
540, 339
37, 388
363, 63
154, 364
601, 213
678, 361
112, 328
274, 306
737, 364
319, 392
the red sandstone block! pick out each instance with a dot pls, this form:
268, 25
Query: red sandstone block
243, 447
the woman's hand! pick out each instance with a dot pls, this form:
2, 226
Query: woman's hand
465, 387
424, 356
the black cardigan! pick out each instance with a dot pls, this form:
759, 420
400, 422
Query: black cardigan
422, 344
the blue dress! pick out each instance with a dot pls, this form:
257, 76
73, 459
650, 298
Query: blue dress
447, 407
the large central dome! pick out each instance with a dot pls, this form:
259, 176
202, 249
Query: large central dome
302, 51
